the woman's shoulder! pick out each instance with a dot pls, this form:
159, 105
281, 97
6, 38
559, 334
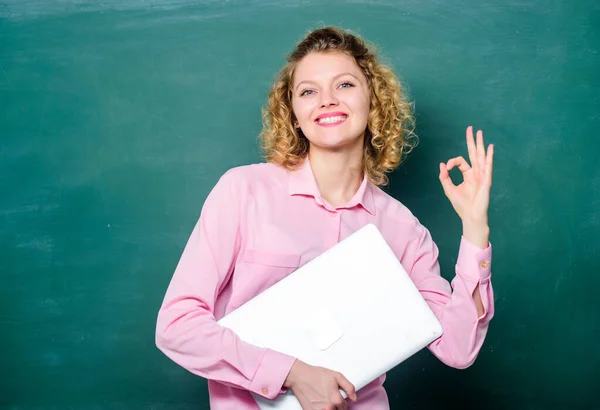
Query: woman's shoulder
254, 175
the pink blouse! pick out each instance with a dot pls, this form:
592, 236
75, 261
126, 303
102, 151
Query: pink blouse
259, 224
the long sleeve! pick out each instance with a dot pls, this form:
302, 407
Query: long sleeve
187, 331
452, 303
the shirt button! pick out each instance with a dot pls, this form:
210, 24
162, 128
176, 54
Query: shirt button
265, 391
484, 264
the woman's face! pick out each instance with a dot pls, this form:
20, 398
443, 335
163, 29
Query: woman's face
331, 100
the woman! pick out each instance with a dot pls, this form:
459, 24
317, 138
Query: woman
336, 123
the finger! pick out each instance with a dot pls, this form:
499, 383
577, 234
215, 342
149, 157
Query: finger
447, 184
338, 402
480, 150
489, 164
471, 147
458, 162
346, 386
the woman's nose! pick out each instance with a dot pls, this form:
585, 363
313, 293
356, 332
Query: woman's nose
328, 99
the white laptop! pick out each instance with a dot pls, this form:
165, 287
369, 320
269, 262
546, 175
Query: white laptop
352, 309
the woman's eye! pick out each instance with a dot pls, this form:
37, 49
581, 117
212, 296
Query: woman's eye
306, 92
346, 84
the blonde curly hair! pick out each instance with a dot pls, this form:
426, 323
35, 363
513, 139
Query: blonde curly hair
389, 136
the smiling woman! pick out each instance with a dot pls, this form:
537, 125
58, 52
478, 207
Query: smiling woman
336, 123
330, 64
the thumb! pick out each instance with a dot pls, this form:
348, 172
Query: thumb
346, 386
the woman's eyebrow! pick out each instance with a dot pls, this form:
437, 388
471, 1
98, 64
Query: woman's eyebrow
334, 78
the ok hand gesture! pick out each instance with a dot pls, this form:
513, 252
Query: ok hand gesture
471, 198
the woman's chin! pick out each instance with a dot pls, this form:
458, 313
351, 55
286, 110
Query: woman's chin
336, 144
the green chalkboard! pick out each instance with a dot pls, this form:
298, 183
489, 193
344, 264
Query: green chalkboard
118, 117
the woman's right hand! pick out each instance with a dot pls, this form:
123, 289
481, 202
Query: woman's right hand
317, 388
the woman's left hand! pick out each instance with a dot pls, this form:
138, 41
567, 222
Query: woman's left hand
471, 198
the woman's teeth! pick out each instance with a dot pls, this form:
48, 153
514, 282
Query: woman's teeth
331, 120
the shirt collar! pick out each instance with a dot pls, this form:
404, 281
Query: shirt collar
302, 182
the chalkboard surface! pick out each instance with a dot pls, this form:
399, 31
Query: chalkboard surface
118, 117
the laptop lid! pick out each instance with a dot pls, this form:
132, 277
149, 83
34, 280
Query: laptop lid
352, 309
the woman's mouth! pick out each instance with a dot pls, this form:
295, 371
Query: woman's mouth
331, 121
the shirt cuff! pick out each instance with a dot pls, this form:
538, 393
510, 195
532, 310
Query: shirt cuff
473, 262
271, 374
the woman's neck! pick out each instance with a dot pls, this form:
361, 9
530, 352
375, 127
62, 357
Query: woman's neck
338, 174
